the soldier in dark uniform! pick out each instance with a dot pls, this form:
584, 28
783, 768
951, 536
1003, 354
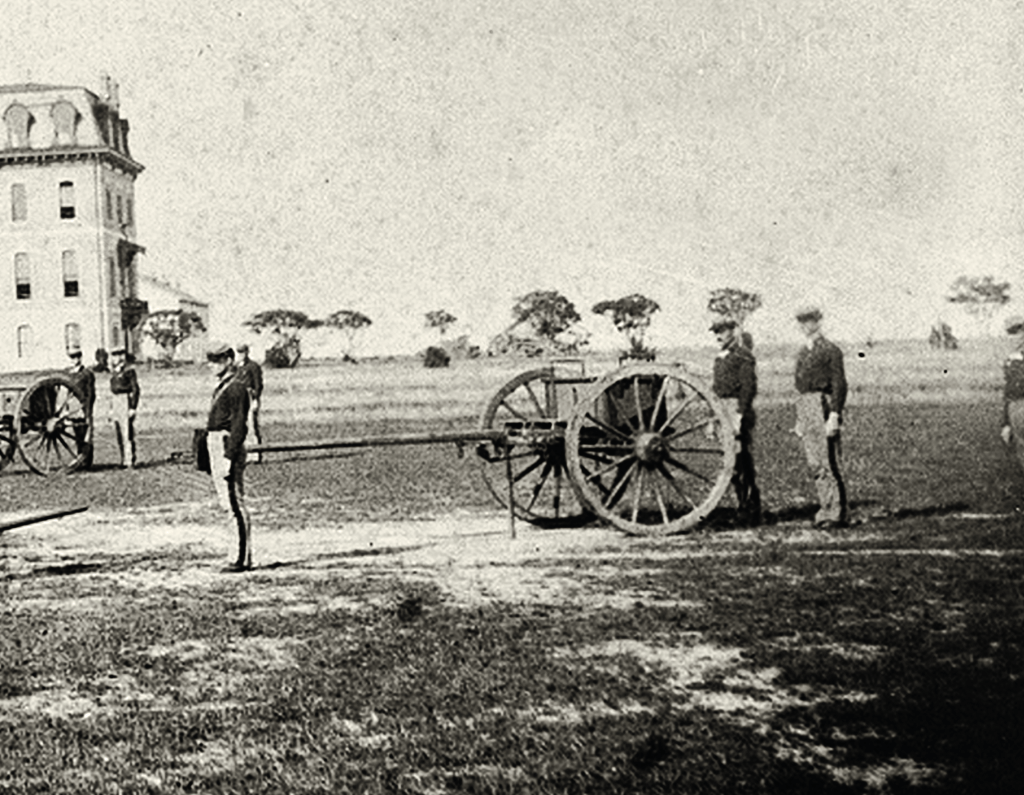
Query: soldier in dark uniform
251, 375
226, 430
820, 380
735, 381
85, 380
1013, 389
124, 393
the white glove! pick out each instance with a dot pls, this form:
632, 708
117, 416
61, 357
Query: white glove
737, 424
709, 430
1006, 433
832, 424
226, 472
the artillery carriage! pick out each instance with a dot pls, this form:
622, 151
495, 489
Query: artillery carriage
648, 447
45, 422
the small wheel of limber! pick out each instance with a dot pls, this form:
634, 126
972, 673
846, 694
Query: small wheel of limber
527, 409
49, 418
651, 449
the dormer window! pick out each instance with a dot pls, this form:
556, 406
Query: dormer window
19, 122
65, 123
67, 200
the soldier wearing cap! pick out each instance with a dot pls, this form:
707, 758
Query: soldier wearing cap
1013, 388
735, 381
124, 402
251, 374
225, 438
85, 380
821, 386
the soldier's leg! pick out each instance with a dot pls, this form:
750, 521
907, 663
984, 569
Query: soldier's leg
816, 450
243, 523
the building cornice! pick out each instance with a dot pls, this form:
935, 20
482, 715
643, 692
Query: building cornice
19, 157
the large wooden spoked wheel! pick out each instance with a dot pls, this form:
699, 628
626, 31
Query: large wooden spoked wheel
529, 411
651, 449
49, 414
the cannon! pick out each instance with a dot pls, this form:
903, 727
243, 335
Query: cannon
45, 422
648, 447
24, 521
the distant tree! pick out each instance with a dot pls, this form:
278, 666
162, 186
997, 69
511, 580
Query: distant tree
436, 357
632, 317
442, 320
547, 312
349, 322
734, 304
286, 327
980, 296
168, 328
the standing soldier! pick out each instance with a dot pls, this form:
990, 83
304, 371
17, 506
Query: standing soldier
124, 389
735, 381
251, 375
85, 380
226, 429
821, 387
1013, 388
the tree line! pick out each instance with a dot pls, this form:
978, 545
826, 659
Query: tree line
543, 321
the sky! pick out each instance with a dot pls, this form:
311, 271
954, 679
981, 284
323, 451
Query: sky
396, 158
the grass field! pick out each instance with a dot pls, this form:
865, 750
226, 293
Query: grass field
883, 658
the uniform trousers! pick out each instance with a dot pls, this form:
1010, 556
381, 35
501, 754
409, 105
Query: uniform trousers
824, 458
229, 483
748, 496
124, 428
1015, 409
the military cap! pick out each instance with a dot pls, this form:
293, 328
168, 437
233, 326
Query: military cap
722, 323
218, 351
118, 351
1014, 324
242, 347
808, 312
74, 350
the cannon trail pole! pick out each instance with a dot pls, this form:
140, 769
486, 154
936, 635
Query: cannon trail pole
40, 517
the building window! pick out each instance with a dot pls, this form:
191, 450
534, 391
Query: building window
72, 337
24, 342
69, 267
112, 277
129, 210
109, 206
19, 202
19, 122
67, 200
120, 211
65, 120
22, 276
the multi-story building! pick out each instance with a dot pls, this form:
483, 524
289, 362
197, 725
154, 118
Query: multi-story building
68, 270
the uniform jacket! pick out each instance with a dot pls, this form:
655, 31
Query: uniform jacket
85, 379
735, 376
819, 368
125, 382
251, 375
229, 410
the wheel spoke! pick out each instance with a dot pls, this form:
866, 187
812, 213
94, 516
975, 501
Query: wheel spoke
709, 450
527, 470
533, 398
688, 470
678, 412
675, 485
540, 484
619, 488
616, 463
638, 492
606, 427
511, 410
684, 431
640, 424
659, 401
661, 500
